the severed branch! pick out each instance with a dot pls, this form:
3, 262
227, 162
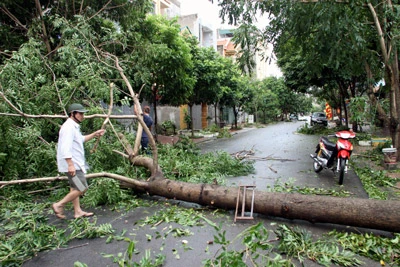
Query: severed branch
25, 115
243, 154
12, 17
103, 126
149, 163
138, 117
43, 190
140, 185
78, 246
248, 154
139, 132
99, 10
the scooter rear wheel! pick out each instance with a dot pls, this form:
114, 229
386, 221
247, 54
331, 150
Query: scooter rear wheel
317, 167
342, 166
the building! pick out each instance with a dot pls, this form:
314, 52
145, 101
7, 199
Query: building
201, 19
168, 8
225, 46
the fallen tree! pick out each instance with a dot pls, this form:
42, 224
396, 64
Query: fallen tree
366, 213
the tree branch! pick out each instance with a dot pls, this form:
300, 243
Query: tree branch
41, 116
141, 185
45, 35
380, 34
139, 118
100, 10
139, 132
12, 17
103, 126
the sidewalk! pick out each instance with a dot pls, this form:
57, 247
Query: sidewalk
173, 139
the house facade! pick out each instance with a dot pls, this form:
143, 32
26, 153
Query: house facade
200, 18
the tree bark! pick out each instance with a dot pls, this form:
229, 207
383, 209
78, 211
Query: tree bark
191, 126
390, 58
365, 213
45, 36
376, 214
235, 114
382, 116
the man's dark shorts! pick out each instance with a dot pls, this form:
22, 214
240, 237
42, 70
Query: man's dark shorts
79, 183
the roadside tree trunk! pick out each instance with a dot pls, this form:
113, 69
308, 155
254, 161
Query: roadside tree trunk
394, 103
390, 58
382, 116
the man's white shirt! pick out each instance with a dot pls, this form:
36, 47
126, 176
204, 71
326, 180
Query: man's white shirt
70, 145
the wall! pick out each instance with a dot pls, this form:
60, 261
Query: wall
174, 114
165, 113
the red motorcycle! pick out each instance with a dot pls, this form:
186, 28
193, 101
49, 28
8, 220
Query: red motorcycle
329, 153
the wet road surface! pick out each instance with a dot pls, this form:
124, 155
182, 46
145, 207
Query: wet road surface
286, 157
282, 155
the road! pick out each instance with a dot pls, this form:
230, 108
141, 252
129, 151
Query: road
288, 158
282, 155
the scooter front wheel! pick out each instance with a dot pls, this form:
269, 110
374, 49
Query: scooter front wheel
342, 166
317, 167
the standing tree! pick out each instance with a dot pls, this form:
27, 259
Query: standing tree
228, 72
206, 70
271, 104
340, 29
238, 95
162, 61
34, 85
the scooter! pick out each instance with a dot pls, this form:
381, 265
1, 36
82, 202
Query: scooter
328, 153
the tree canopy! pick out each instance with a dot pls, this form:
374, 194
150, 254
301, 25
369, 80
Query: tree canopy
322, 43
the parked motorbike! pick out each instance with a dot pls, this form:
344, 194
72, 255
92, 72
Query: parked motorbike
330, 155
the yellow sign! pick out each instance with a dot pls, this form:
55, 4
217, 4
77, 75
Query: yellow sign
328, 111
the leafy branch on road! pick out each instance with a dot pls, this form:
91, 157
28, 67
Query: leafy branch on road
289, 187
249, 155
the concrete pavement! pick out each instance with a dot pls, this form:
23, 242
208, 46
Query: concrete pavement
189, 250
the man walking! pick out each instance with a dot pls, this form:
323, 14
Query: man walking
71, 160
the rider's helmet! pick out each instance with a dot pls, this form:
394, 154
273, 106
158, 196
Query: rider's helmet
76, 108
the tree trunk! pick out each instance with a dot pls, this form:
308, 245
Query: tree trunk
382, 116
265, 116
342, 90
215, 113
191, 125
221, 112
395, 103
235, 114
391, 61
154, 92
366, 213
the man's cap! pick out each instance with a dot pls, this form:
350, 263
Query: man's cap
76, 107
